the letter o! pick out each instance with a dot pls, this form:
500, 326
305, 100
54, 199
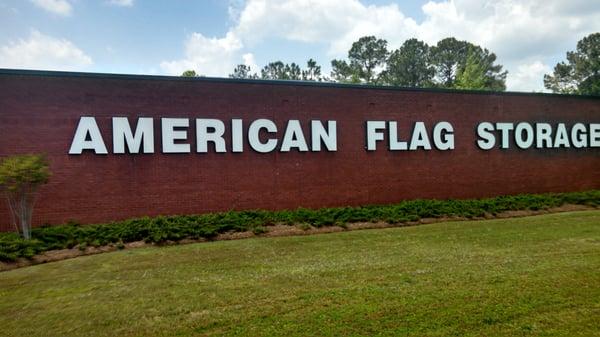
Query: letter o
519, 140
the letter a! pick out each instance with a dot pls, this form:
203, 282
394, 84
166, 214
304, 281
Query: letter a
87, 125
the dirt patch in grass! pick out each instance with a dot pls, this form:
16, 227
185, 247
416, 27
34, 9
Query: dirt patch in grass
273, 231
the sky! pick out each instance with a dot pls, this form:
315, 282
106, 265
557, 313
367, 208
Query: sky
212, 36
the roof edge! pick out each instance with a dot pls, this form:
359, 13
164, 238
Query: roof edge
54, 73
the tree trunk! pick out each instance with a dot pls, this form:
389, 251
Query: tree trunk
12, 206
20, 204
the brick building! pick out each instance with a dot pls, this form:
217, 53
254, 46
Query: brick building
40, 113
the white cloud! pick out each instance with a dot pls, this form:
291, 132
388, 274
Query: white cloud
59, 7
523, 33
528, 77
207, 56
302, 21
512, 29
41, 51
336, 22
121, 3
248, 60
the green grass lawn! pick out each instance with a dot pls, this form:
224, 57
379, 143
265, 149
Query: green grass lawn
535, 276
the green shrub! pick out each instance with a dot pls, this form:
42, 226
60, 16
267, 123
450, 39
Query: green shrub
174, 228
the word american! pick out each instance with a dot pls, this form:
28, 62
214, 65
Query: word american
262, 136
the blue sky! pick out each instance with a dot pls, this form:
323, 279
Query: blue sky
120, 38
212, 36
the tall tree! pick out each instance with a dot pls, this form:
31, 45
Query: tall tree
449, 57
472, 76
364, 58
342, 72
274, 71
293, 71
243, 71
20, 178
495, 77
312, 71
409, 65
581, 73
282, 71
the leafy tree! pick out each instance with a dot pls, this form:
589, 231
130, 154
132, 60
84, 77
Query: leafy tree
364, 58
495, 78
409, 65
449, 57
20, 177
293, 71
581, 73
189, 73
282, 71
312, 71
472, 76
274, 71
243, 71
342, 72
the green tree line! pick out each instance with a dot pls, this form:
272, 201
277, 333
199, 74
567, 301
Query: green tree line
450, 63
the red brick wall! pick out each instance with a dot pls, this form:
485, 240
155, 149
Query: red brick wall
39, 114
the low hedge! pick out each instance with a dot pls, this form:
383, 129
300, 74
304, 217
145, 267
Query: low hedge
174, 228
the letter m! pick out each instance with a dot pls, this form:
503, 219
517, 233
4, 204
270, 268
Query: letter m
144, 133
